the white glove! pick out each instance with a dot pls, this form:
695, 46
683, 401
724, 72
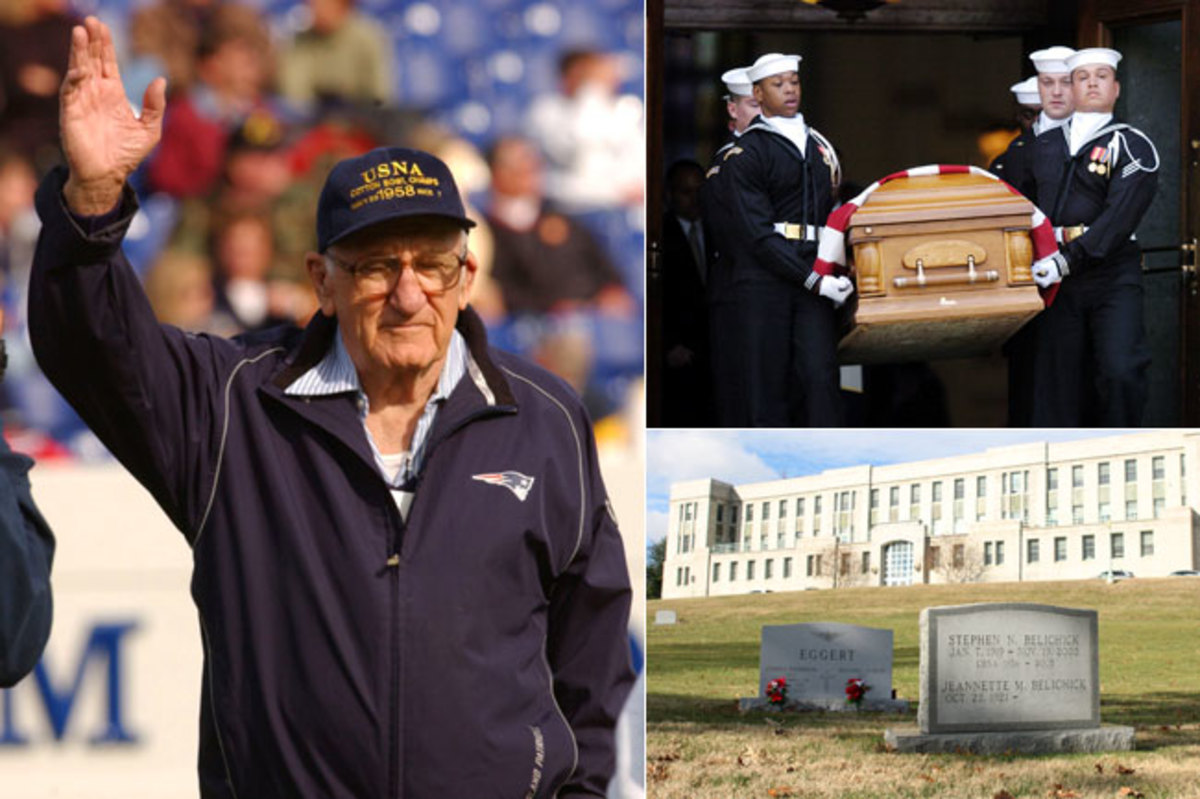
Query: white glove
1050, 270
835, 289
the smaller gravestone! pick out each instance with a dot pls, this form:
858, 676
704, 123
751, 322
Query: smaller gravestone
1007, 677
664, 617
818, 659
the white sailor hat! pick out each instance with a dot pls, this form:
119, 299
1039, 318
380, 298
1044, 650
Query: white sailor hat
772, 64
1026, 92
1052, 60
1093, 55
737, 82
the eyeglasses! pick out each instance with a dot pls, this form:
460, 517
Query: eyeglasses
378, 274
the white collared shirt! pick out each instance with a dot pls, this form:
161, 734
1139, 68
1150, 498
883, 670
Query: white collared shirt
335, 374
1044, 123
1084, 125
793, 127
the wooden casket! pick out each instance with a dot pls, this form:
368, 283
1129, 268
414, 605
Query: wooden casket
942, 265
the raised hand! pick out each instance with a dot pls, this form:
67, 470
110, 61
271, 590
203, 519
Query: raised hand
102, 138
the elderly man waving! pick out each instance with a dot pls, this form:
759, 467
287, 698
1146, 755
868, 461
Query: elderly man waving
408, 580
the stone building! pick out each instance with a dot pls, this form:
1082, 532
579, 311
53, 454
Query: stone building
1037, 511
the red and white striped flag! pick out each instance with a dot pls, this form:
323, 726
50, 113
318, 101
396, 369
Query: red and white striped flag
831, 247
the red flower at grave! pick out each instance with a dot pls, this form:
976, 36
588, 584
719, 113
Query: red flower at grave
856, 690
777, 691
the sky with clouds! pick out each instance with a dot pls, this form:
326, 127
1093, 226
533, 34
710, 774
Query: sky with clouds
747, 456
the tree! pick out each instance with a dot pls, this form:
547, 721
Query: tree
960, 562
656, 556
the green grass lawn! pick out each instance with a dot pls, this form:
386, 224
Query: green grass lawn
700, 746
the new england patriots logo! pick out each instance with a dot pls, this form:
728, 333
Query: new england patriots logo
518, 483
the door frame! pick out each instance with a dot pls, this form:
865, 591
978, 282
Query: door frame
1096, 20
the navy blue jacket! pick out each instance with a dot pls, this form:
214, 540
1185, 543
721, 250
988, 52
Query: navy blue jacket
26, 550
477, 649
1108, 185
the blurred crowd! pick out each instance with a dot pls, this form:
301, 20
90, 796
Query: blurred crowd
263, 100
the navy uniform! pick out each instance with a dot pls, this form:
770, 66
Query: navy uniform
1015, 166
774, 339
1092, 354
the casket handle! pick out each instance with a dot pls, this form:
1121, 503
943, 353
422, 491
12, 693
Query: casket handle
970, 277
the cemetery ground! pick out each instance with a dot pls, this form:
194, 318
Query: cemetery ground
700, 747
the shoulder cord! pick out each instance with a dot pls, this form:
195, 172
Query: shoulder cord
1135, 164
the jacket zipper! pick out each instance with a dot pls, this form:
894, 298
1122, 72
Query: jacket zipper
393, 566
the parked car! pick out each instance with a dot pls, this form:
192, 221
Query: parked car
1185, 573
1115, 574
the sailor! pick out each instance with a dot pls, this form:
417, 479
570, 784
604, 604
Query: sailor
1095, 181
1052, 87
741, 107
776, 364
739, 100
1012, 161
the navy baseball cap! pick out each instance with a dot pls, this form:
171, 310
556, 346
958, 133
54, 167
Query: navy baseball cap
385, 184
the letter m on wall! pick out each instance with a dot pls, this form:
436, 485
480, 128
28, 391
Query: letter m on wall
102, 653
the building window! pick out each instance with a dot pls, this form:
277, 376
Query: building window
749, 570
816, 525
733, 515
1182, 480
1076, 477
1158, 468
914, 502
766, 511
813, 566
687, 575
866, 562
1052, 479
787, 568
1102, 473
1131, 509
959, 512
1033, 549
720, 513
999, 553
1147, 543
987, 553
679, 576
1160, 505
1089, 547
898, 563
1076, 514
733, 571
843, 514
959, 556
894, 504
844, 565
936, 510
1131, 471
933, 558
874, 501
1060, 548
767, 564
1117, 545
799, 507
980, 497
783, 508
716, 578
1013, 486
